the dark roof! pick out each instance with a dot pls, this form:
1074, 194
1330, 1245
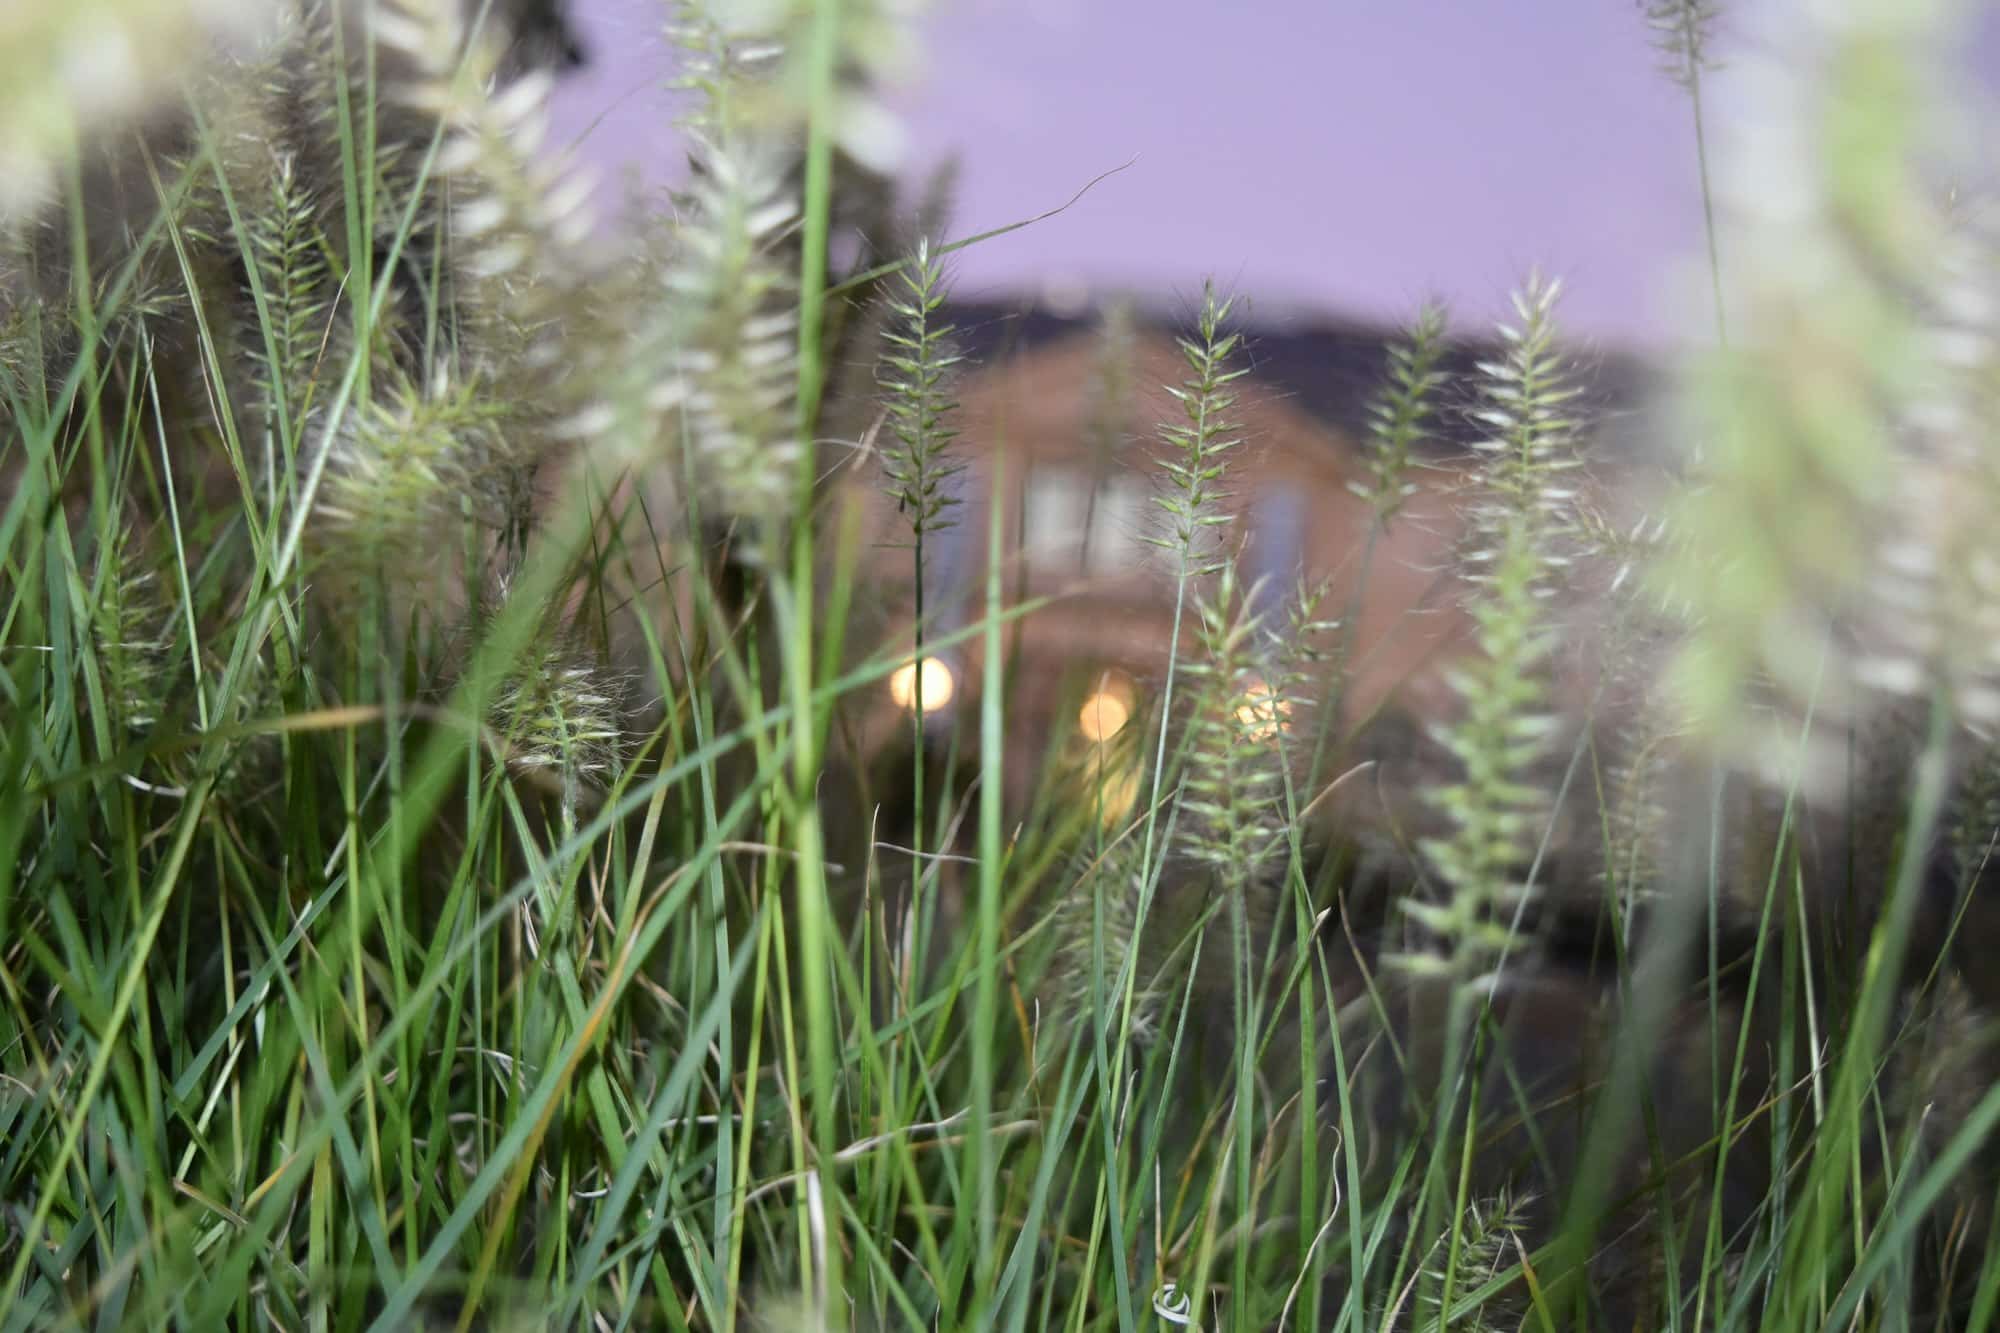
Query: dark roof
1328, 367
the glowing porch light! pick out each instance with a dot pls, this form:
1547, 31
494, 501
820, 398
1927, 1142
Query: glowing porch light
1107, 710
937, 680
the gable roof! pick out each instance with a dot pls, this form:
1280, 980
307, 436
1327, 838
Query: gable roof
1327, 368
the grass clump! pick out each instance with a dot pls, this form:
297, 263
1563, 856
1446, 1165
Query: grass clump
442, 873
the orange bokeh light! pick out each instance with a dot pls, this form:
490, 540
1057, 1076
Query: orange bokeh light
938, 684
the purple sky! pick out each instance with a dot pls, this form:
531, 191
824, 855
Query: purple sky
1350, 156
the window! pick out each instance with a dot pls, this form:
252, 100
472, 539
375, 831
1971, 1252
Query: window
1118, 526
1074, 525
1277, 543
1054, 503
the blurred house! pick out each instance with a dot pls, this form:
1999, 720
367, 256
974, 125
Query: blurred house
1061, 415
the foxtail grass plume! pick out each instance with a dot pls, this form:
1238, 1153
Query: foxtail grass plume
133, 626
1495, 806
450, 424
416, 456
1400, 416
519, 212
1528, 451
1933, 615
562, 714
1488, 1241
1107, 908
730, 346
1684, 33
1233, 795
1196, 457
732, 367
79, 70
730, 56
287, 244
1836, 538
1518, 528
916, 375
1293, 649
746, 76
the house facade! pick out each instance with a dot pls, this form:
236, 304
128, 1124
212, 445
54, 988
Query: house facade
1059, 422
